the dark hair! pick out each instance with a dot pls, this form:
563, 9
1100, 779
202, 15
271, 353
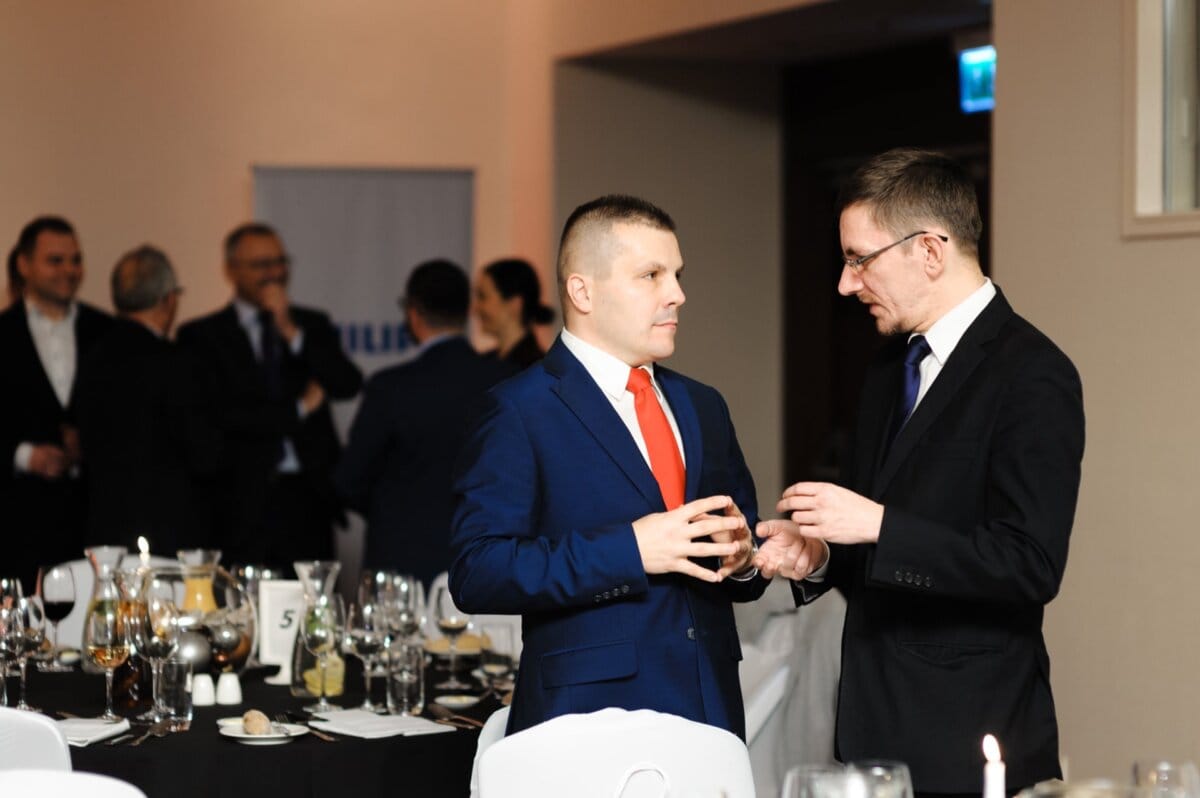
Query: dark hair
142, 278
516, 277
244, 231
439, 290
607, 210
27, 240
16, 283
907, 188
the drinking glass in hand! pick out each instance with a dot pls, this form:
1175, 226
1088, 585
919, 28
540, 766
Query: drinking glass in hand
33, 619
365, 636
324, 619
452, 622
107, 645
156, 634
884, 778
497, 655
811, 781
12, 639
57, 589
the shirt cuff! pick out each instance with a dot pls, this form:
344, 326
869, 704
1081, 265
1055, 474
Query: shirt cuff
22, 456
818, 574
751, 571
297, 343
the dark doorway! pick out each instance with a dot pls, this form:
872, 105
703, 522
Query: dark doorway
838, 113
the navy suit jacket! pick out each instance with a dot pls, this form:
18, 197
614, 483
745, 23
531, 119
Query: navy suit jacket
547, 488
943, 635
397, 466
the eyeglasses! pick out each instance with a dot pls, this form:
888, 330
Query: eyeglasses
856, 265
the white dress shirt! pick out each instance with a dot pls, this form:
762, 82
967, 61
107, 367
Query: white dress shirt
612, 375
54, 341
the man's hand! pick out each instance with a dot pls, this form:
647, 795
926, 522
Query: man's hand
313, 397
740, 560
667, 540
71, 445
831, 513
274, 299
48, 461
786, 552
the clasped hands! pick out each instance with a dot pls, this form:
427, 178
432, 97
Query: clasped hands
668, 540
818, 513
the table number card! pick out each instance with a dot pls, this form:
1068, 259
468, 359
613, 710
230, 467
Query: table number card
280, 610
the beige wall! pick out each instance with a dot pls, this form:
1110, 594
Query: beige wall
703, 143
1124, 634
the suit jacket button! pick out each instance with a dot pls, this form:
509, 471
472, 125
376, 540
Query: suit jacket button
929, 581
607, 594
597, 598
624, 588
691, 633
908, 577
899, 576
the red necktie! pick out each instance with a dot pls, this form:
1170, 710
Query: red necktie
665, 461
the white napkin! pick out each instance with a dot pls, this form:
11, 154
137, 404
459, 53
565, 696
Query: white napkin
81, 732
369, 726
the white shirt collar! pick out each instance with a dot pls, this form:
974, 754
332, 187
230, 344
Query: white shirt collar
610, 373
247, 314
37, 317
946, 332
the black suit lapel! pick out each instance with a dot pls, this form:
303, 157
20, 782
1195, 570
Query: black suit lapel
580, 393
966, 357
236, 341
33, 362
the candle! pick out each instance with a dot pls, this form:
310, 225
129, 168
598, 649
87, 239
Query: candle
144, 549
993, 771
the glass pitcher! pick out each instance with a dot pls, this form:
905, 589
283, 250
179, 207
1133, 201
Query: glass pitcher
318, 578
200, 567
104, 560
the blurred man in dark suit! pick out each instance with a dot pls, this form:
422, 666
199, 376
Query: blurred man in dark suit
268, 369
396, 470
138, 420
43, 337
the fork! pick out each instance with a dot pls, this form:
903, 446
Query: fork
282, 718
159, 729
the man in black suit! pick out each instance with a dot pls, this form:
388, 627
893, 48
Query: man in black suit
397, 467
138, 419
951, 535
43, 337
268, 369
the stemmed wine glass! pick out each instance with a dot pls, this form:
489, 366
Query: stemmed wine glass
324, 619
497, 655
156, 634
12, 634
366, 631
10, 590
452, 622
107, 645
33, 619
57, 589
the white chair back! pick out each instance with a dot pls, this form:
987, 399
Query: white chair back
70, 629
30, 740
478, 621
65, 784
493, 730
615, 752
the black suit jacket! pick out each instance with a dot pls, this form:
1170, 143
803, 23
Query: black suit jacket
943, 636
396, 470
143, 440
252, 426
47, 515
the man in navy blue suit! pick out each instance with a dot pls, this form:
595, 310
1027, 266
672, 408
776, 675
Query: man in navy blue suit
617, 524
411, 423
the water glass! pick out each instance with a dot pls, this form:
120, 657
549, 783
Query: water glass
1167, 779
801, 781
496, 658
406, 681
884, 778
175, 693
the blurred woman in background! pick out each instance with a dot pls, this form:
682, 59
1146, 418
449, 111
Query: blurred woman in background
508, 302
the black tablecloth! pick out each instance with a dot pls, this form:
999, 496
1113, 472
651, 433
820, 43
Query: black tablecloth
201, 763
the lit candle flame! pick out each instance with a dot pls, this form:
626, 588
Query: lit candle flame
991, 748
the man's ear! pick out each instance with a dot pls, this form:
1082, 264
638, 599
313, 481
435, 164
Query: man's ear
579, 292
933, 255
23, 265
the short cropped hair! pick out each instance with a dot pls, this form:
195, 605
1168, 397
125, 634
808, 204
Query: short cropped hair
245, 231
516, 277
27, 240
907, 188
607, 210
440, 291
142, 278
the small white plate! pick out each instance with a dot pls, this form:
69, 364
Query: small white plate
235, 721
289, 730
457, 700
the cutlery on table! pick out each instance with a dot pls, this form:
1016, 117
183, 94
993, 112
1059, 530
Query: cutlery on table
441, 713
159, 729
283, 717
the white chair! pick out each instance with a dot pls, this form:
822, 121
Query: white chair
65, 784
492, 731
615, 752
30, 740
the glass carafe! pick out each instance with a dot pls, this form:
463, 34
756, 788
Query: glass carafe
318, 578
131, 679
105, 560
200, 566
